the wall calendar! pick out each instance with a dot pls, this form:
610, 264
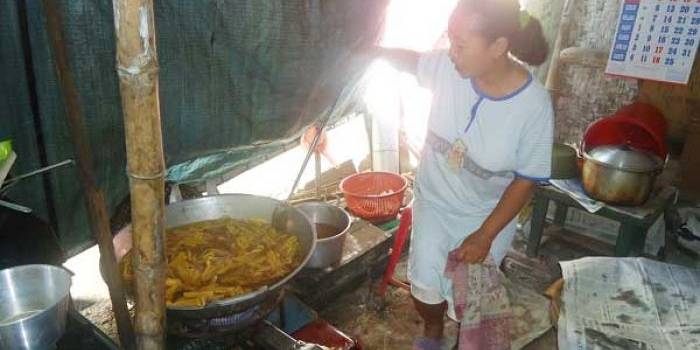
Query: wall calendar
656, 40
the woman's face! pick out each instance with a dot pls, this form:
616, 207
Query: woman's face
471, 53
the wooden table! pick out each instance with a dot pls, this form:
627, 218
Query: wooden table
634, 221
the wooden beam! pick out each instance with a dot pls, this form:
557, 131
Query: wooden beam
97, 209
137, 66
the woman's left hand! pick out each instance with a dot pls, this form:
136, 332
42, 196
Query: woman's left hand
475, 248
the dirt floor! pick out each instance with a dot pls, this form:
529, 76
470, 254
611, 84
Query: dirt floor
394, 323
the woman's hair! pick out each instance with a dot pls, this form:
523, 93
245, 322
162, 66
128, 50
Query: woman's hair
503, 18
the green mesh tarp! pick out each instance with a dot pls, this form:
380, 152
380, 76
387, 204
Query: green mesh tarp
238, 79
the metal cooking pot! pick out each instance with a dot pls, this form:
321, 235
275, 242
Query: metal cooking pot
247, 307
331, 225
619, 174
564, 162
34, 301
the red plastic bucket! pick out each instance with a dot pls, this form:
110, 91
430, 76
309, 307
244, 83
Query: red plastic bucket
638, 125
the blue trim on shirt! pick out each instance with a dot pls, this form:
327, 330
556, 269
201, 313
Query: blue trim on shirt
482, 94
532, 178
475, 109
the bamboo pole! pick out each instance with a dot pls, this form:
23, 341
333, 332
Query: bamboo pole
97, 210
137, 66
552, 81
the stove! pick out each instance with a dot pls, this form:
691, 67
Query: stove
291, 325
365, 253
188, 327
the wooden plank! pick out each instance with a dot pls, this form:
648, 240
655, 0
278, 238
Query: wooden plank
332, 176
329, 182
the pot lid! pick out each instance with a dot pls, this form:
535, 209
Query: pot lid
625, 158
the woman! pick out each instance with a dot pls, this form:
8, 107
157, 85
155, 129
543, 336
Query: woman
489, 141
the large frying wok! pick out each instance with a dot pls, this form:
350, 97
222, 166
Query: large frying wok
241, 311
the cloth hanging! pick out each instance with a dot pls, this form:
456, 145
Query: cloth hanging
481, 304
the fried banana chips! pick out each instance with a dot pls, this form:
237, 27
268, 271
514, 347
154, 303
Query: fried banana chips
223, 258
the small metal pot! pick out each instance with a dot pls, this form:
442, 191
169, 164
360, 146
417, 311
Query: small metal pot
564, 162
331, 225
34, 301
619, 174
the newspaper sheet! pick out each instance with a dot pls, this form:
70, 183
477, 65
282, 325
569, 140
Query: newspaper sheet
574, 188
629, 303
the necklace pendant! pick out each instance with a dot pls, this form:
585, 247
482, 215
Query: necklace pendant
455, 156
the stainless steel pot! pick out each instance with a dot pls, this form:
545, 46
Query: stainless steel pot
34, 301
619, 174
331, 225
242, 206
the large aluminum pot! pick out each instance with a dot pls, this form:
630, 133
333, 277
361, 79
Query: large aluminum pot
620, 175
331, 225
284, 217
34, 301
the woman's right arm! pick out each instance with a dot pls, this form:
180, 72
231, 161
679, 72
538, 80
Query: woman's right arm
401, 59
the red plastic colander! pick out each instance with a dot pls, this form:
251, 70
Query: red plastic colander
374, 196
